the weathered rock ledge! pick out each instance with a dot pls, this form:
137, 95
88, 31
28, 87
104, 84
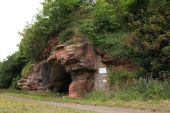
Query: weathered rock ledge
68, 67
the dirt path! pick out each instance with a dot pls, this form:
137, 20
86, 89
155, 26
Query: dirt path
100, 109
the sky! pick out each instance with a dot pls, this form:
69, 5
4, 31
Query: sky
14, 14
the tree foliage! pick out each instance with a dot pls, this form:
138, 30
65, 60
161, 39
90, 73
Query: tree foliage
11, 69
151, 39
48, 23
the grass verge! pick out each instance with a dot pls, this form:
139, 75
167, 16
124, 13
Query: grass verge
14, 106
95, 98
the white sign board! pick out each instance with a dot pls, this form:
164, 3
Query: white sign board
104, 81
102, 70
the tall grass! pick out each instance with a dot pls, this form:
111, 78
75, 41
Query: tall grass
145, 90
138, 90
125, 86
119, 79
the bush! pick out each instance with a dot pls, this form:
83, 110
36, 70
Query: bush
27, 69
120, 78
11, 69
14, 84
66, 35
105, 16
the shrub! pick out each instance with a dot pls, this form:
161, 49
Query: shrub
120, 78
27, 69
11, 69
14, 84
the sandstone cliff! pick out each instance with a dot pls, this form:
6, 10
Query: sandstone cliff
68, 67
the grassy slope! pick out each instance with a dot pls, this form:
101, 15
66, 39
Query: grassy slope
158, 105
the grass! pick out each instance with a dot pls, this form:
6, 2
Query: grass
13, 106
139, 94
27, 68
127, 86
97, 98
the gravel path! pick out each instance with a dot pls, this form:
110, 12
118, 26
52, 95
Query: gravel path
100, 109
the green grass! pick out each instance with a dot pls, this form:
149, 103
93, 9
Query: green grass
154, 95
97, 98
26, 70
126, 85
13, 106
143, 90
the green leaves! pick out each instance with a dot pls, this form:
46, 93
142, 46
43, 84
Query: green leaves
104, 28
105, 15
152, 40
49, 23
166, 50
10, 69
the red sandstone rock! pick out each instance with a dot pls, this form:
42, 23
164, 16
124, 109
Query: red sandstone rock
73, 90
77, 56
79, 59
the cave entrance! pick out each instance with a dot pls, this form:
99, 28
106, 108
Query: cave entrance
66, 83
60, 79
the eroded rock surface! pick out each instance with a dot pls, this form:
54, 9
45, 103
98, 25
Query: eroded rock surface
68, 67
46, 76
80, 61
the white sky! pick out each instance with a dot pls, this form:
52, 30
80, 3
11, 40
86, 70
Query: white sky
13, 17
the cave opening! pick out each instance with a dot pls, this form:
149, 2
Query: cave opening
66, 83
60, 79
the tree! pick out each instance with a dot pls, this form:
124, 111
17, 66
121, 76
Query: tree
11, 69
151, 39
48, 23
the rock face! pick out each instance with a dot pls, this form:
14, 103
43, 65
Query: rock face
61, 68
70, 67
80, 61
46, 76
